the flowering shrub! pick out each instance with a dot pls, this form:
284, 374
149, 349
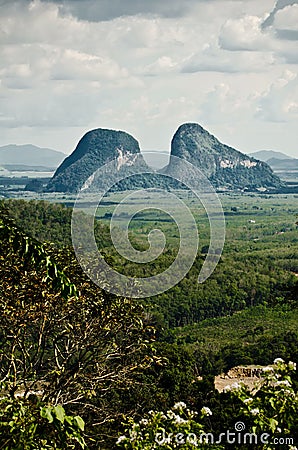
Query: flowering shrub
178, 427
271, 408
274, 402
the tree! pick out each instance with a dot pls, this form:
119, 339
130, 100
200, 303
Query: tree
64, 342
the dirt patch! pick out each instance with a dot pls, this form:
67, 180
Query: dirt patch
250, 376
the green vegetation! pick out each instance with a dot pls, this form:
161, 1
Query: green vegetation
61, 344
76, 363
47, 222
270, 411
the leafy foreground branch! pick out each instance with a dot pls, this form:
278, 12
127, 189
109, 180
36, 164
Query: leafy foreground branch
26, 423
66, 353
34, 253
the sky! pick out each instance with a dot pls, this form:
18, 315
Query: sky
147, 66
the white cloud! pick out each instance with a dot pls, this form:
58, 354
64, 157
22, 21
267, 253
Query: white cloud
275, 42
37, 22
224, 104
286, 23
244, 34
279, 103
48, 106
214, 59
69, 64
163, 65
278, 6
47, 79
287, 18
288, 53
101, 10
140, 66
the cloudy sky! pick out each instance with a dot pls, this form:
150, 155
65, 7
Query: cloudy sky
146, 66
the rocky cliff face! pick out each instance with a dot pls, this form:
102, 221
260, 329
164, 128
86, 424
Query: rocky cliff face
96, 148
225, 167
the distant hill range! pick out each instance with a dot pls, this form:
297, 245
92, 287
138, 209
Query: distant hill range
225, 167
29, 157
276, 160
283, 164
266, 155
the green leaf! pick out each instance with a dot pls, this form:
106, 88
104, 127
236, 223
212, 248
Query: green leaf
273, 424
272, 403
69, 420
46, 413
59, 413
80, 422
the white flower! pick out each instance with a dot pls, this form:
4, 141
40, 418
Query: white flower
255, 411
206, 411
283, 383
133, 435
179, 405
144, 422
278, 361
179, 420
247, 400
171, 414
267, 369
175, 417
292, 365
227, 388
120, 439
